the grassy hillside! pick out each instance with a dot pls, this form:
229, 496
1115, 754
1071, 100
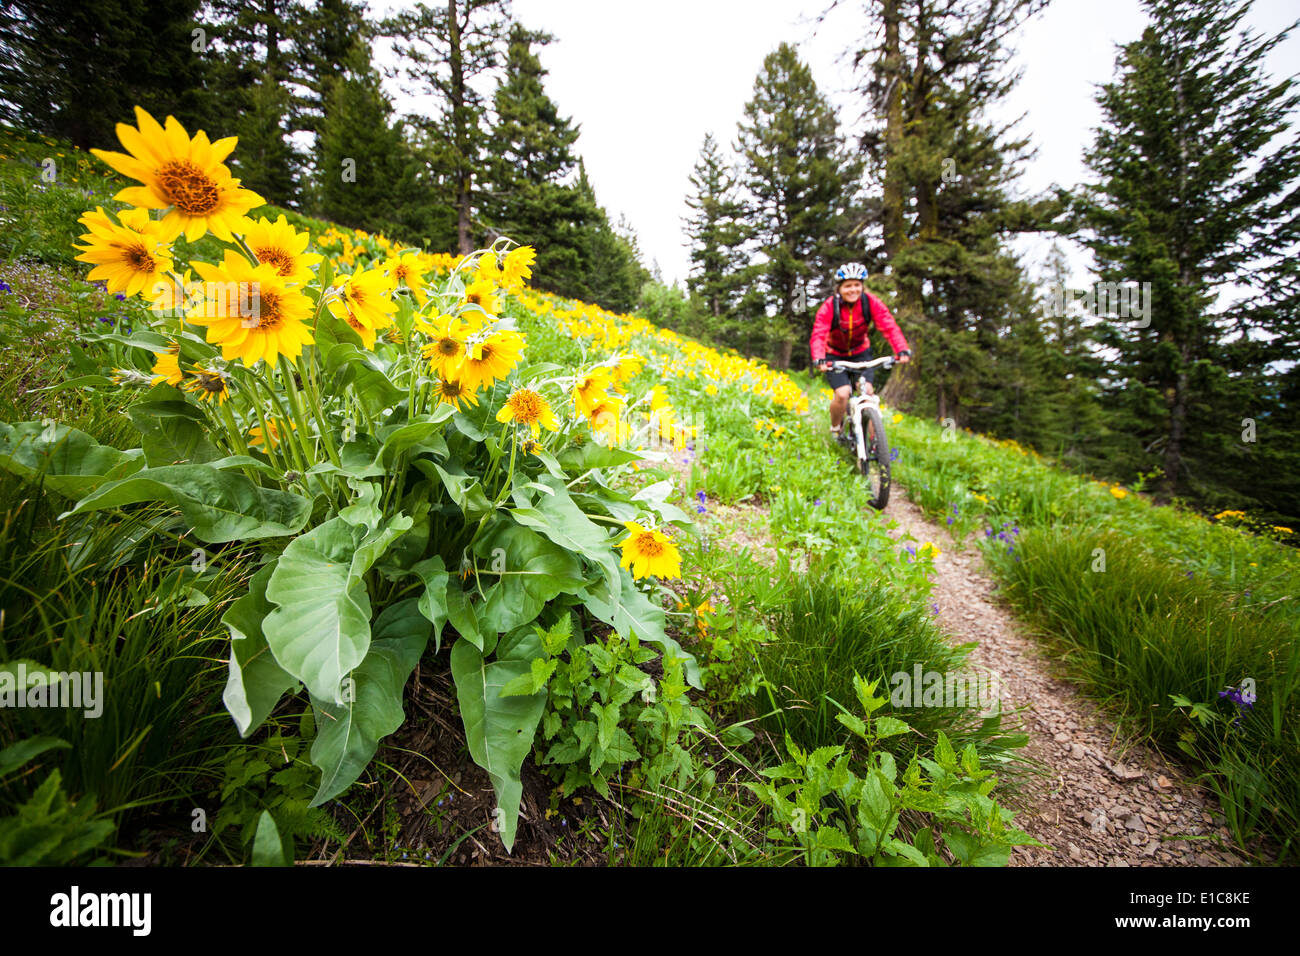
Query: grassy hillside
706, 716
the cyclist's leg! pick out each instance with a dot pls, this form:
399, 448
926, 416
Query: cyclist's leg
840, 385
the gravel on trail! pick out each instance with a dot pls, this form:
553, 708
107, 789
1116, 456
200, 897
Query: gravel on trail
1103, 801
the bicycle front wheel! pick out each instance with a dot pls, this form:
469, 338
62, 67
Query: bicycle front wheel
875, 466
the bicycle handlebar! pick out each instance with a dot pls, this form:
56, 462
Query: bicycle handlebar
885, 360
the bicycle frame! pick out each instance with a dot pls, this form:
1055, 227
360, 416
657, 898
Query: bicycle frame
860, 399
859, 403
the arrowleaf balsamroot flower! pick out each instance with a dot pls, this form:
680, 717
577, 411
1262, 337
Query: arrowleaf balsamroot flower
590, 391
407, 270
482, 293
528, 408
453, 392
185, 174
648, 551
168, 367
130, 257
279, 324
366, 304
209, 385
490, 360
447, 350
278, 244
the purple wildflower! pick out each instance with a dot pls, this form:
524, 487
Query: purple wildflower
4, 286
119, 296
816, 502
893, 454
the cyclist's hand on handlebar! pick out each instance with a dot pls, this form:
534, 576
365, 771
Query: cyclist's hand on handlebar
903, 356
824, 365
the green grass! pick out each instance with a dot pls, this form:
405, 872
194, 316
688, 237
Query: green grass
1186, 605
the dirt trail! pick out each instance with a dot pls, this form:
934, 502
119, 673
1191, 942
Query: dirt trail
1105, 803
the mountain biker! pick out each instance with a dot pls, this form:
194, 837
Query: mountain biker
840, 332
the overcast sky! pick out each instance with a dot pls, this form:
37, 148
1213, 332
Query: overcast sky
646, 81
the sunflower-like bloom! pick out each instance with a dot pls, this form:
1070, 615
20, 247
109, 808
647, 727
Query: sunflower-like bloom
590, 391
168, 367
528, 408
251, 312
628, 365
273, 430
604, 419
209, 385
452, 392
447, 350
185, 174
482, 292
1118, 492
492, 359
278, 244
517, 268
409, 271
130, 257
367, 303
648, 551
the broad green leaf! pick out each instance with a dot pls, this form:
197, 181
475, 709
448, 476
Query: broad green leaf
365, 372
656, 497
464, 489
433, 602
556, 516
499, 730
890, 727
876, 807
962, 844
69, 461
461, 614
532, 570
256, 682
220, 506
633, 613
321, 629
594, 455
348, 734
172, 433
418, 436
268, 848
15, 755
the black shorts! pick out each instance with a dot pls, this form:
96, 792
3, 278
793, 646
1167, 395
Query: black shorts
836, 379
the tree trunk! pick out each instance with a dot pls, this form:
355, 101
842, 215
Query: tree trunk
460, 123
783, 352
903, 379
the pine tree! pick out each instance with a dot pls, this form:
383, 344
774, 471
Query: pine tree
442, 50
718, 232
74, 70
528, 157
365, 168
1196, 195
946, 211
798, 178
253, 50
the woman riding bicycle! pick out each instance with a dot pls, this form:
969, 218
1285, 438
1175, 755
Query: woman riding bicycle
840, 332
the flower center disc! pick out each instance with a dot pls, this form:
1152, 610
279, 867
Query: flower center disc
138, 258
282, 261
190, 189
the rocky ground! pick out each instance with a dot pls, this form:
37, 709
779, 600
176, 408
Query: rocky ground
1102, 801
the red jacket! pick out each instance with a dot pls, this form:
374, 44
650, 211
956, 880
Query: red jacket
851, 336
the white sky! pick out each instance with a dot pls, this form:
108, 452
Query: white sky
646, 81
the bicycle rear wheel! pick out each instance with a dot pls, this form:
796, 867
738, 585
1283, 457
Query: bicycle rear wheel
875, 467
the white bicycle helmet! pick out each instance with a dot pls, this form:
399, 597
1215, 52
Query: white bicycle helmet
850, 270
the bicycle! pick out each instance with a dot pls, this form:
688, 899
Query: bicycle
869, 444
